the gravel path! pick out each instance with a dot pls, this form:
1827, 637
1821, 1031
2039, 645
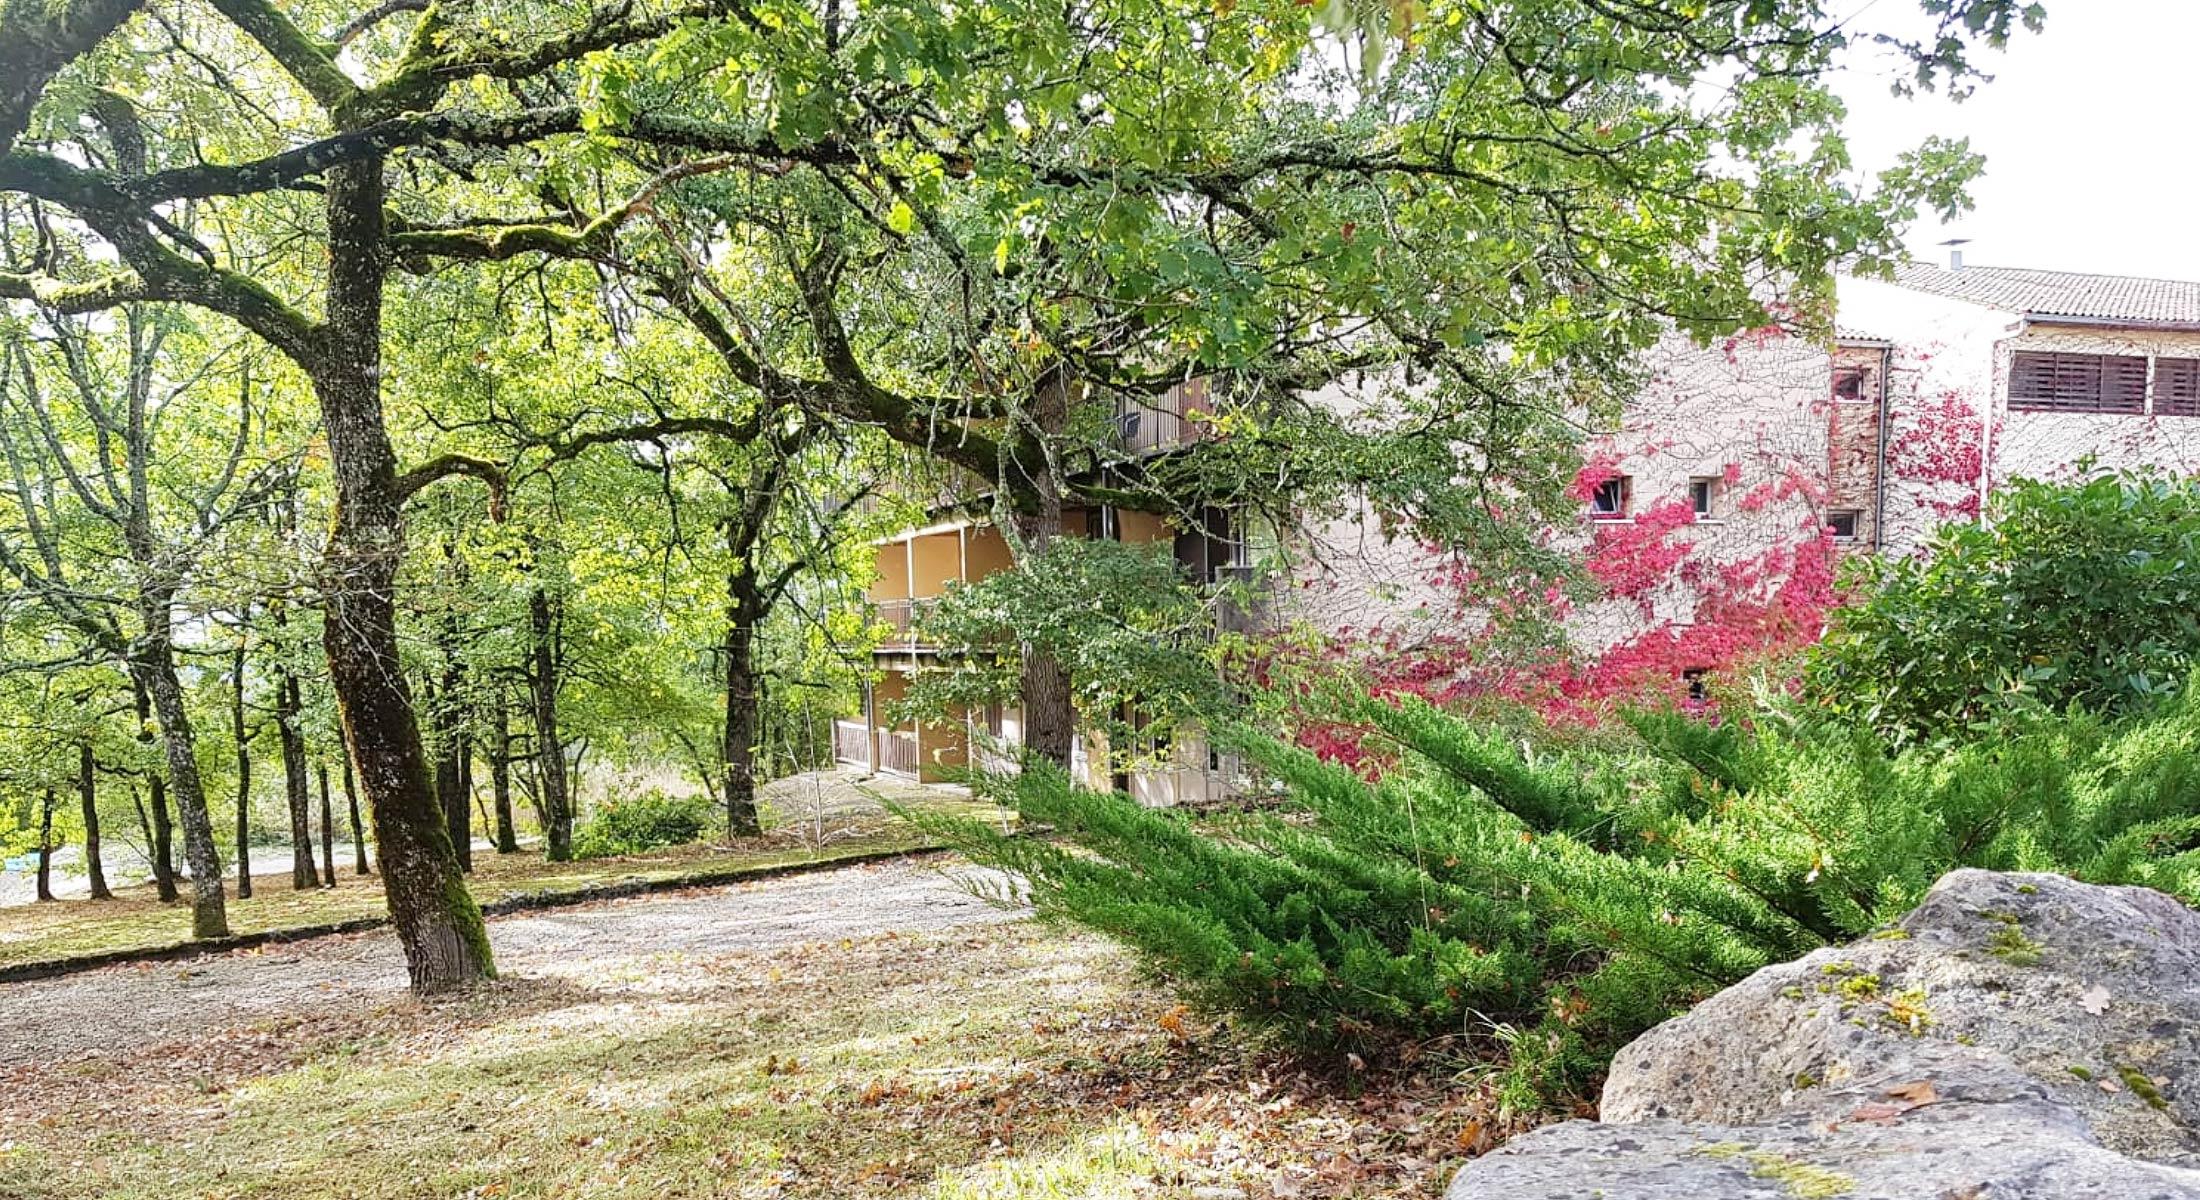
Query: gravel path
122, 1007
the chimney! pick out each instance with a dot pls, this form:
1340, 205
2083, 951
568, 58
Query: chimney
1955, 252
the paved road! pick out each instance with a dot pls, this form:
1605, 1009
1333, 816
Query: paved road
118, 1008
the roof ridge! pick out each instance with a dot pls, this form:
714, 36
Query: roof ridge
1969, 267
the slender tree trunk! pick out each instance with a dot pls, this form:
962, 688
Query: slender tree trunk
450, 762
500, 776
157, 667
289, 712
159, 838
744, 605
244, 772
145, 827
450, 789
554, 797
358, 833
328, 829
1050, 717
446, 943
289, 721
45, 846
165, 876
87, 795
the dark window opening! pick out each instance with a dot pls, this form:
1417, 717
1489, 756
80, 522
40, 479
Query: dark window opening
1698, 680
1842, 523
1703, 496
2102, 383
1609, 501
1849, 385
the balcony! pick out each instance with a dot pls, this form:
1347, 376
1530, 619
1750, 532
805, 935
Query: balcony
852, 743
1163, 422
900, 618
898, 752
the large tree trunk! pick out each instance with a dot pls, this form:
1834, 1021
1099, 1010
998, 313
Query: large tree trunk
244, 772
328, 829
45, 846
156, 667
500, 776
358, 833
446, 944
1050, 716
289, 712
554, 798
87, 795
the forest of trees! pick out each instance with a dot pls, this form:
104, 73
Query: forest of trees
393, 393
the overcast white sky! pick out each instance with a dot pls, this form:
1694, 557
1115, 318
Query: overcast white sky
2091, 133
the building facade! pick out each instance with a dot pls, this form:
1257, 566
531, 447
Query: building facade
1727, 485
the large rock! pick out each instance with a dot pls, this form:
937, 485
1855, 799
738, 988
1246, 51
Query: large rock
2015, 1036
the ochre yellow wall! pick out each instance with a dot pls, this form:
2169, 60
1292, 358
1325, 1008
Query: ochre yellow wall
1143, 527
986, 552
893, 573
938, 562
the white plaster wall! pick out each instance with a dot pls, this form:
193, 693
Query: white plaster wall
1750, 409
1950, 353
2042, 445
1942, 362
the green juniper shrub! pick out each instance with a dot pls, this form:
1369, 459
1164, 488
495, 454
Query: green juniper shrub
646, 820
1549, 906
2081, 593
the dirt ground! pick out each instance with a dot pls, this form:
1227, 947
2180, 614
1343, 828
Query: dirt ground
861, 1033
117, 1008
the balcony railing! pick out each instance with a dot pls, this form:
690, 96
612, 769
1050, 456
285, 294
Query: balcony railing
900, 618
1161, 422
897, 751
852, 742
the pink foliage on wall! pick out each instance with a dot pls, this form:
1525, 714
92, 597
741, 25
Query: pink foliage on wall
1939, 447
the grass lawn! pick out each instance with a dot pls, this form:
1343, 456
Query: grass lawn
136, 918
978, 1063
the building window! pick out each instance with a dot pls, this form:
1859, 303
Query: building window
1698, 682
1849, 384
1841, 522
1703, 496
1609, 501
2101, 383
2177, 387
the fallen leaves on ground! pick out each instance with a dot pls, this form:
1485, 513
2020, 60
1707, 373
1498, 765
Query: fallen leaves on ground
873, 1066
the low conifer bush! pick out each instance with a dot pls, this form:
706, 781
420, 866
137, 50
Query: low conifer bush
1489, 893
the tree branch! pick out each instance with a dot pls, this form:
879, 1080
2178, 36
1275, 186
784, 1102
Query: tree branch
306, 59
443, 466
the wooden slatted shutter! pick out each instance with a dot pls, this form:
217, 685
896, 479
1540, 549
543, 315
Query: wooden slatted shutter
2123, 383
2177, 387
2055, 382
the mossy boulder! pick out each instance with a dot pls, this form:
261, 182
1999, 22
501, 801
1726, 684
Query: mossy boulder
2028, 1035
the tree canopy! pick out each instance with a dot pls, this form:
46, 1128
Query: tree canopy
708, 259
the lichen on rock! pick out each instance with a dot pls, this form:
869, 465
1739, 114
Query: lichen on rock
2026, 1036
